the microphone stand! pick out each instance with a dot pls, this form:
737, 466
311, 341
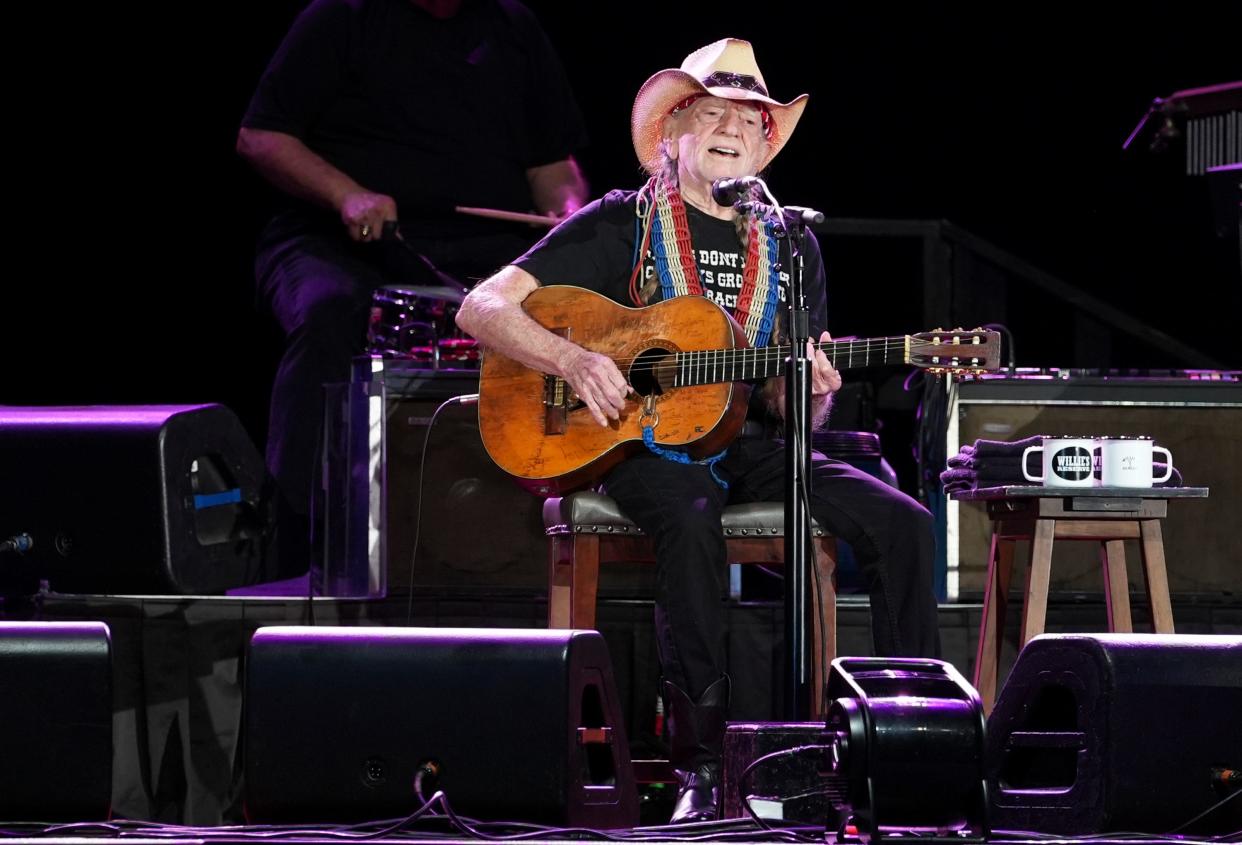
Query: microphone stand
791, 224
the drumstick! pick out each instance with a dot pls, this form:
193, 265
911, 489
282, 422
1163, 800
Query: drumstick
513, 216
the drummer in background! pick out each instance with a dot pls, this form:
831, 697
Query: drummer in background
378, 111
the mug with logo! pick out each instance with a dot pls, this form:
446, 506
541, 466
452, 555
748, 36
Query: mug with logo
1127, 462
1067, 462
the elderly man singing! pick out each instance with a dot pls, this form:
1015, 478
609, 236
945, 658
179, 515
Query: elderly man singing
712, 118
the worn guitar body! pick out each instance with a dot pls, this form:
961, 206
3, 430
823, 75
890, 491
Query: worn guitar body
690, 366
550, 442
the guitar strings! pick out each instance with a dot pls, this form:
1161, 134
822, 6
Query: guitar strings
860, 349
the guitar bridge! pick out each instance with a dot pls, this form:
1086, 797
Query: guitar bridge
557, 399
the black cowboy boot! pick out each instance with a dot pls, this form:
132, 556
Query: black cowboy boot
696, 744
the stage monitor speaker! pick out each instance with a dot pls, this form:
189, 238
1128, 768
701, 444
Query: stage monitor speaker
412, 501
479, 529
1117, 732
350, 724
1199, 420
143, 499
55, 721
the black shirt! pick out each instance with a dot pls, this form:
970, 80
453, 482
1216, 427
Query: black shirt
595, 249
435, 113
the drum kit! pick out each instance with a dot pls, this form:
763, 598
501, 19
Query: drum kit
417, 322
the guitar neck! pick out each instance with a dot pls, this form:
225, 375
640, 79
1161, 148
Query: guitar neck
711, 366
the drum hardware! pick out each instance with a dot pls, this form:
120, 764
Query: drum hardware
418, 323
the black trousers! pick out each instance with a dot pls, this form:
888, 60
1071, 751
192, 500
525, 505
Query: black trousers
318, 285
679, 507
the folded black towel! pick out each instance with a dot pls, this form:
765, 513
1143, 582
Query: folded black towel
997, 460
1007, 463
989, 463
999, 448
1001, 477
957, 475
960, 461
978, 460
993, 472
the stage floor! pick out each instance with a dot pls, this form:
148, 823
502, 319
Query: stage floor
735, 832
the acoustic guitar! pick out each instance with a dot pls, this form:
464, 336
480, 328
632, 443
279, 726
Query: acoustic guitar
689, 364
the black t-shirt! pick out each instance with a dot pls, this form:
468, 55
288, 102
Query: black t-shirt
595, 249
435, 113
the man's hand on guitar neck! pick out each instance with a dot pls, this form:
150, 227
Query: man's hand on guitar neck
825, 380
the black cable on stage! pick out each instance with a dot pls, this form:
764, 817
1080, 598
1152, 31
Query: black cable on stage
1209, 811
744, 777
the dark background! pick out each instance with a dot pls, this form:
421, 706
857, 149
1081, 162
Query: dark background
1005, 119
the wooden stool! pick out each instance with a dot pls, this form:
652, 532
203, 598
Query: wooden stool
587, 529
1107, 515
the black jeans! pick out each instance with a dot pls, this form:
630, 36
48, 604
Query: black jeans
318, 285
679, 507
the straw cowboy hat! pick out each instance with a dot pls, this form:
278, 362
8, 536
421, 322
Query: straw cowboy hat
725, 69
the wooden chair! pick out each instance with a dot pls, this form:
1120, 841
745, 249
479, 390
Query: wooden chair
587, 529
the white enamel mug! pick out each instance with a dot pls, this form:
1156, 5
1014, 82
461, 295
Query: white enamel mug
1127, 462
1067, 462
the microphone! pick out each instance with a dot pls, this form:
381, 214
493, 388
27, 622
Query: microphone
728, 191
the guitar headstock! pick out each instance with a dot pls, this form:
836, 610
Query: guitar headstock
956, 351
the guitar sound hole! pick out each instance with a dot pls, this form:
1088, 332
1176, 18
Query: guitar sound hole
652, 372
